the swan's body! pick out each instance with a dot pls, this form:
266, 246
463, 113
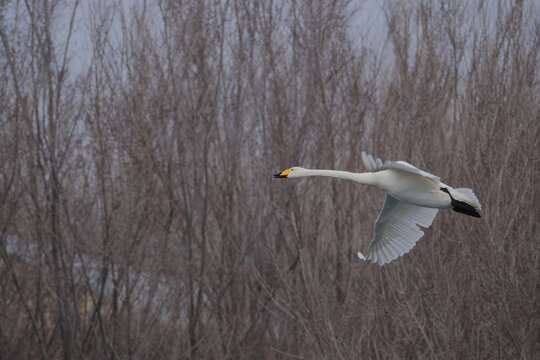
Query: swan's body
413, 198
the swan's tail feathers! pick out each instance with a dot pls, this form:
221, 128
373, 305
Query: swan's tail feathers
465, 201
468, 194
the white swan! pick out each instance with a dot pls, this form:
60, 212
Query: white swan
413, 198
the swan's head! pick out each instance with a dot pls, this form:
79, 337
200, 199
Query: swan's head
291, 173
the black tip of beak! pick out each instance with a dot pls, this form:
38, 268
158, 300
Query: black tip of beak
279, 176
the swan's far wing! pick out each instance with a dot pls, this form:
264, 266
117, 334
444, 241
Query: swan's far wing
405, 166
370, 163
377, 165
396, 230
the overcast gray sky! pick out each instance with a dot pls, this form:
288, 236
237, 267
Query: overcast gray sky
368, 24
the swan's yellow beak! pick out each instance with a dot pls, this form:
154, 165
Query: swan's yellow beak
283, 174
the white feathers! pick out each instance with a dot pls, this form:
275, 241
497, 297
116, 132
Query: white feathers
396, 230
466, 195
377, 165
372, 164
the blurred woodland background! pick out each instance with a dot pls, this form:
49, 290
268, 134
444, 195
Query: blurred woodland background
138, 214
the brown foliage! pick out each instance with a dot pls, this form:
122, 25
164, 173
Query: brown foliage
139, 217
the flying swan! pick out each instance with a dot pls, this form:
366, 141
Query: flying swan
413, 198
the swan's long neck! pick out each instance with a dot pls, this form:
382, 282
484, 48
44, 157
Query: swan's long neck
362, 178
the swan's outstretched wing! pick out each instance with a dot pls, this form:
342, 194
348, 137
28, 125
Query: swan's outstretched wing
396, 230
377, 165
